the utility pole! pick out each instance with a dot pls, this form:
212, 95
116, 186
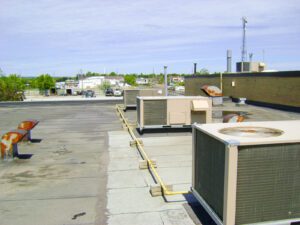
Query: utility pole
244, 50
166, 80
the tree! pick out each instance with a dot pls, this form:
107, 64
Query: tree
105, 85
203, 71
161, 78
130, 79
113, 74
45, 82
12, 88
61, 79
92, 74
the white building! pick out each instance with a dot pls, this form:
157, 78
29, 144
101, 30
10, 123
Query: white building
142, 81
90, 82
60, 85
114, 80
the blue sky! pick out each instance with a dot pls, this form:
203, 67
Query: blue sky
61, 37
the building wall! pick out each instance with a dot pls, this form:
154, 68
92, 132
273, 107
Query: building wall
274, 88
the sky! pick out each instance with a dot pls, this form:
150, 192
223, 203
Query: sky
64, 37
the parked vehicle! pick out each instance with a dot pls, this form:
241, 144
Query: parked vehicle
118, 92
90, 94
109, 92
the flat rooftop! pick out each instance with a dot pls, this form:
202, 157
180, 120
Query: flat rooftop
83, 170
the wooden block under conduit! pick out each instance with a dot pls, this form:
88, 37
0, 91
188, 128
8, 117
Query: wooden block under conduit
134, 142
124, 127
143, 164
156, 190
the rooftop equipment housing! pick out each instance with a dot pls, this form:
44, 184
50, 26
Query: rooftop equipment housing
248, 173
215, 94
172, 111
131, 94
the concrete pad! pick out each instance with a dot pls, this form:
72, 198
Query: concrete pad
126, 179
176, 175
175, 164
170, 150
122, 164
135, 200
117, 153
166, 141
176, 217
167, 217
119, 139
150, 218
173, 158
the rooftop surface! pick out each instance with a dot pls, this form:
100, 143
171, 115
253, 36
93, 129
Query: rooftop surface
83, 171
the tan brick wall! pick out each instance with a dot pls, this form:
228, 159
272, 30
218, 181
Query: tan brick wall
282, 90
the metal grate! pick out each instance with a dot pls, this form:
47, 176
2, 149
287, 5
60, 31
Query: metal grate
209, 171
130, 97
155, 112
268, 183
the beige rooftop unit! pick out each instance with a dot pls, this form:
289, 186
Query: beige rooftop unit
131, 94
172, 111
248, 173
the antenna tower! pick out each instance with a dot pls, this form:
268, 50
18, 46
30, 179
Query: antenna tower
244, 51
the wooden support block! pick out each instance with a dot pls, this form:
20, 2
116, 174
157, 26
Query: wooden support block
124, 127
134, 143
157, 190
143, 164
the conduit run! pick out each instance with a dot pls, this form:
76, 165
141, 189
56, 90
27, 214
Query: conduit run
144, 155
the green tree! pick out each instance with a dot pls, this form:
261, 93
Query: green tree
61, 79
105, 85
45, 82
130, 79
161, 78
12, 88
113, 74
92, 74
203, 71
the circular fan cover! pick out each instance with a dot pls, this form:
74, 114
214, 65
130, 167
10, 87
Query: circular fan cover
253, 132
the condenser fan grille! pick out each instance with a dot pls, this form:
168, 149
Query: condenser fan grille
253, 132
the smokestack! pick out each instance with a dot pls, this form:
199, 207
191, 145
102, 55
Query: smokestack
195, 68
229, 57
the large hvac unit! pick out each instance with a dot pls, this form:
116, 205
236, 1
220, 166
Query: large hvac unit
131, 94
172, 111
248, 173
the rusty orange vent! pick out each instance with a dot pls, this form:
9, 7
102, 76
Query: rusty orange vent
28, 124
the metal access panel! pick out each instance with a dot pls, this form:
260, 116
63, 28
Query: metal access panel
248, 173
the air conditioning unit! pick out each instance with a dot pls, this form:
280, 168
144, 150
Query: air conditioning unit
131, 94
248, 173
172, 111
